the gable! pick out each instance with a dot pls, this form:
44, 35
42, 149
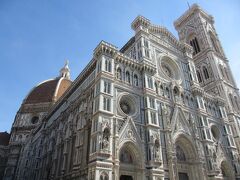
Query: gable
166, 36
179, 122
129, 132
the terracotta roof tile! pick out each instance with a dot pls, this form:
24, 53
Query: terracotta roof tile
42, 93
45, 92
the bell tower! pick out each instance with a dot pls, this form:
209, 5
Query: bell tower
196, 28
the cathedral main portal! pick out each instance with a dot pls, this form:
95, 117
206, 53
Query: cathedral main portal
130, 162
125, 177
183, 176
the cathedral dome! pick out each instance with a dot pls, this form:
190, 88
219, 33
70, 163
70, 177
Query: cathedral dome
48, 91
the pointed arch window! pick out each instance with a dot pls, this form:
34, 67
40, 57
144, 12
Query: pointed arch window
128, 77
108, 65
107, 87
194, 43
167, 92
135, 80
199, 77
106, 104
205, 72
104, 176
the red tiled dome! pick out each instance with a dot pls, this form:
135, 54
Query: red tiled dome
48, 91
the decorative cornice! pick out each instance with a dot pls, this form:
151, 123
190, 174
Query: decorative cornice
111, 50
163, 30
197, 90
140, 21
160, 29
105, 47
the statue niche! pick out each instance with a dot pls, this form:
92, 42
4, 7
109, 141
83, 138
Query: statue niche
105, 138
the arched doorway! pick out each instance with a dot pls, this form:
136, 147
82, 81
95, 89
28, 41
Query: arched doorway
126, 177
186, 157
130, 162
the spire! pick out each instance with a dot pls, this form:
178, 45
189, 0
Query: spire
65, 71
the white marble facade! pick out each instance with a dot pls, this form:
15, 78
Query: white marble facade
160, 108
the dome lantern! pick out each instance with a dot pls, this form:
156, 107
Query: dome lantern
65, 71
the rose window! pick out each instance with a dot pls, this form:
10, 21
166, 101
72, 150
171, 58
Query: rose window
169, 69
127, 105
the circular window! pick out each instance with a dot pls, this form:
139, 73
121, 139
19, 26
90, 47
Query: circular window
127, 105
215, 132
34, 120
169, 69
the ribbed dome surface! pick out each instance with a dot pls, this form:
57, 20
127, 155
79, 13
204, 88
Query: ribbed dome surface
48, 91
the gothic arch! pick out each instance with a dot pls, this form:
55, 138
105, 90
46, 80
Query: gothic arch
199, 76
131, 160
128, 75
187, 161
107, 65
205, 72
186, 143
136, 78
192, 40
104, 176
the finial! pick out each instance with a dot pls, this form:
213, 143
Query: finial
66, 63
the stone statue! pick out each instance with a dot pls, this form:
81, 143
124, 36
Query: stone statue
166, 115
105, 143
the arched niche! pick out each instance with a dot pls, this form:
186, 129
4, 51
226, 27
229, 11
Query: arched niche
187, 162
130, 161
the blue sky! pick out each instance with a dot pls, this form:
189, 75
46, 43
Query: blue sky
37, 36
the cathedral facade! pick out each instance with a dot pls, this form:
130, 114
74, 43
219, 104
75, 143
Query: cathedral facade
160, 108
